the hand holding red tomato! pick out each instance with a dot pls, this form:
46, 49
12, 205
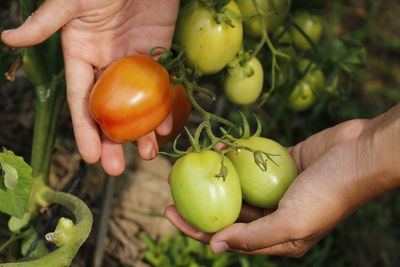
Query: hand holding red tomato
94, 34
341, 169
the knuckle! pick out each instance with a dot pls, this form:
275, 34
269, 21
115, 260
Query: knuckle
350, 130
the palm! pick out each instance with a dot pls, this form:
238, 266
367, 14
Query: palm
105, 30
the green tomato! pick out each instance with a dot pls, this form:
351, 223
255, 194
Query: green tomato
276, 12
314, 76
243, 83
311, 25
283, 35
209, 45
205, 200
306, 90
302, 97
263, 188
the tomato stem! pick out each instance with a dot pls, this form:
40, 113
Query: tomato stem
266, 39
205, 114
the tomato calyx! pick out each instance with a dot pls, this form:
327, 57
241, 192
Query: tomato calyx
219, 11
223, 173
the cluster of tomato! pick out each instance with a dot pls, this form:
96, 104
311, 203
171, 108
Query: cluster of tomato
208, 186
135, 95
256, 169
215, 42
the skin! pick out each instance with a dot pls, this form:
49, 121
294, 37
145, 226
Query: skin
94, 34
341, 169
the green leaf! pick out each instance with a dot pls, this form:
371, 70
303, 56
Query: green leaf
10, 176
14, 195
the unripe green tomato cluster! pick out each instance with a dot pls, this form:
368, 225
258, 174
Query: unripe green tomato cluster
211, 202
212, 41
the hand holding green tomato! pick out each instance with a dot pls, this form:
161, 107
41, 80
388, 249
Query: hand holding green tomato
207, 186
341, 169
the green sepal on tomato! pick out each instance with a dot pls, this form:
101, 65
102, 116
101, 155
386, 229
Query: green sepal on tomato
273, 13
202, 197
243, 82
131, 98
209, 44
263, 187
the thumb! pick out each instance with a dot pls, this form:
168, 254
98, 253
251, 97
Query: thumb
267, 235
46, 20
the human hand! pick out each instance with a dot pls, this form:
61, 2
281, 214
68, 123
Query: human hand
340, 168
94, 34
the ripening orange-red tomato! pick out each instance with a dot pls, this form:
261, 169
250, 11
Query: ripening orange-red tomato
181, 108
131, 98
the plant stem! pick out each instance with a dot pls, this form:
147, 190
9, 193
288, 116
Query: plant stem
63, 256
205, 114
50, 99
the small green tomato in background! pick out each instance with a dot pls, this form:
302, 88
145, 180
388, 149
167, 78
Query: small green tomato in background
311, 25
306, 90
209, 44
276, 12
243, 83
282, 35
314, 75
202, 196
302, 97
263, 188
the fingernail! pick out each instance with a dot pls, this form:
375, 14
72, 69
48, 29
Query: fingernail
219, 247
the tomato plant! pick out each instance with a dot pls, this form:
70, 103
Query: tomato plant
209, 44
311, 25
275, 13
264, 175
131, 98
181, 108
202, 196
243, 83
